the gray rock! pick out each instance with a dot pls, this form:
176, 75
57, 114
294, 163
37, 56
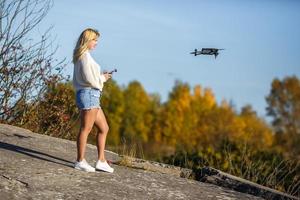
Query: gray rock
217, 177
34, 166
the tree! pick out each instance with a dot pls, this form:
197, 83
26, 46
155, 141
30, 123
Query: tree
256, 132
112, 103
137, 119
175, 115
55, 114
26, 65
284, 106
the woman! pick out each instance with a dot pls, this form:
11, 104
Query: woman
88, 83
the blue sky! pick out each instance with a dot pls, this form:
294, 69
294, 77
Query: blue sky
150, 41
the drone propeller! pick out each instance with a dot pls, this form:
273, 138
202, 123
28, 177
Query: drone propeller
194, 52
216, 54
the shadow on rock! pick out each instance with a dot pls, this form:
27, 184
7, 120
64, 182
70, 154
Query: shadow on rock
36, 154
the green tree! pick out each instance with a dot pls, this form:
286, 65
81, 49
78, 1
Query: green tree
137, 118
112, 103
284, 106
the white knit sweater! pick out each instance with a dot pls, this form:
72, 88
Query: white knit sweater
87, 73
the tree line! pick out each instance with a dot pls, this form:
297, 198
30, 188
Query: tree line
190, 119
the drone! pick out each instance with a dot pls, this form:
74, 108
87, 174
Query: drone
207, 51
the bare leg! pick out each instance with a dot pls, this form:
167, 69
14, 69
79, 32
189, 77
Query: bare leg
87, 118
103, 128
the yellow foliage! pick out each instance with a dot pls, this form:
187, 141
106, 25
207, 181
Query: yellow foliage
209, 97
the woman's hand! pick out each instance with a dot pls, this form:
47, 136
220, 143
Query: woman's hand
107, 75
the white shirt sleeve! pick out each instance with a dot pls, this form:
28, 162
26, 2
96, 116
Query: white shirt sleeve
86, 69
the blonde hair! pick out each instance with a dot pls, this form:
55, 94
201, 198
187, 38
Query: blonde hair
81, 46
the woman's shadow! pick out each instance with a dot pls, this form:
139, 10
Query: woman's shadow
35, 154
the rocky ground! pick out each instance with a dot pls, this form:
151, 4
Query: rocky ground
34, 166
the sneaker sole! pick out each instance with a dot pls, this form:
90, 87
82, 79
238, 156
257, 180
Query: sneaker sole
104, 170
85, 170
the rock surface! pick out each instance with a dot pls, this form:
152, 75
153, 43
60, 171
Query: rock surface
34, 166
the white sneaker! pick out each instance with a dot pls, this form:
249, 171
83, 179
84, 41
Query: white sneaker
103, 166
84, 166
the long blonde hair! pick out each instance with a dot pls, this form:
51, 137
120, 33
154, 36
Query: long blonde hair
81, 46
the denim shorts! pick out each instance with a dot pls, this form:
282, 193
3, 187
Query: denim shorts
88, 98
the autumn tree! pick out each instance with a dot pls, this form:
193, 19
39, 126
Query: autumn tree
256, 132
55, 114
26, 64
284, 107
174, 114
113, 105
137, 118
